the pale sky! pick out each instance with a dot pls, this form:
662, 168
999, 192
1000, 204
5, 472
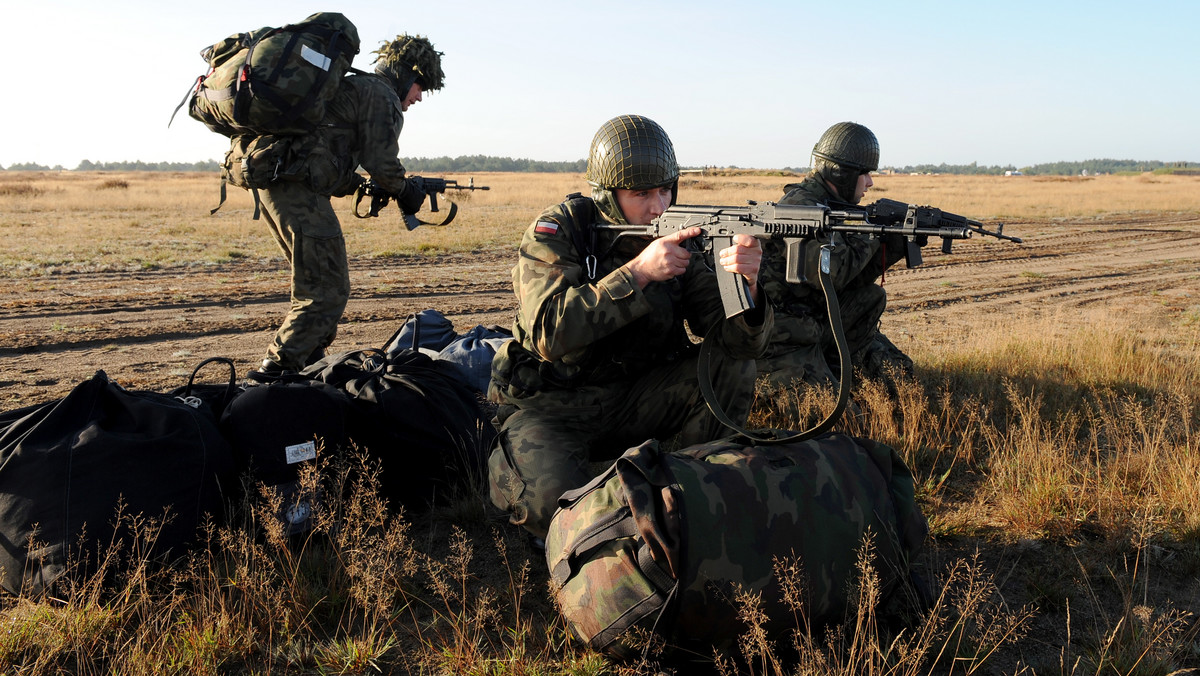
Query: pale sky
750, 83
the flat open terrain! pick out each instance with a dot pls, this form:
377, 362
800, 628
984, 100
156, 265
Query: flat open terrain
148, 327
128, 273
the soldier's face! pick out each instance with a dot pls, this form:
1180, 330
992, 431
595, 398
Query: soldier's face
413, 96
642, 206
864, 184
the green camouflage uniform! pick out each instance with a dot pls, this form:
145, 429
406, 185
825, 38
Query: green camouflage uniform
361, 127
599, 366
802, 346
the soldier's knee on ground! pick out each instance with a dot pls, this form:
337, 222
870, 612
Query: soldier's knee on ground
526, 482
881, 360
805, 365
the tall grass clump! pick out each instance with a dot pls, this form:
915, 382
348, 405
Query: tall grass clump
1076, 447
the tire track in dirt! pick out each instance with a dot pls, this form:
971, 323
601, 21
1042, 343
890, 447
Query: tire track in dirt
149, 327
1066, 271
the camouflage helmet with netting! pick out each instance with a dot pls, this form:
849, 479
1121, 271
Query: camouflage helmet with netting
408, 59
843, 153
850, 145
630, 152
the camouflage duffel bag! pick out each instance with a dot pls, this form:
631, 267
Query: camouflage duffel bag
662, 542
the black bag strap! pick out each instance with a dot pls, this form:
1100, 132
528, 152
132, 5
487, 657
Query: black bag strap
616, 524
230, 388
416, 337
224, 194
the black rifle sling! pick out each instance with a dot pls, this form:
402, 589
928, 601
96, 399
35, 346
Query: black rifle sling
412, 221
704, 375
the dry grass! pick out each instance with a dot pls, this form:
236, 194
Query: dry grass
95, 220
1068, 456
1101, 474
1076, 449
1037, 197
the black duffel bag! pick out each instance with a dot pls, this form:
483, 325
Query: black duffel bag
278, 428
413, 414
66, 466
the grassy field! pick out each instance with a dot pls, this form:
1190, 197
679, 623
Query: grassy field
1058, 464
96, 221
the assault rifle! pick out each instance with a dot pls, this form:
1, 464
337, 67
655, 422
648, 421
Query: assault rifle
430, 186
796, 223
891, 212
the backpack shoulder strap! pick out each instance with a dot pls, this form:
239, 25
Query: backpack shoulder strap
582, 212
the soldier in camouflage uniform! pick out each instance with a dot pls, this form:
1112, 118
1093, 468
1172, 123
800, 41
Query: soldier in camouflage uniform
802, 346
361, 128
601, 360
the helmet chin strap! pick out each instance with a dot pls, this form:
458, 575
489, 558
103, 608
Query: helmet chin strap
606, 199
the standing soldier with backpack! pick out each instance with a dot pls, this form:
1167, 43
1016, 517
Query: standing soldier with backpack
361, 127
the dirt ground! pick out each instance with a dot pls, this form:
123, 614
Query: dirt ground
148, 329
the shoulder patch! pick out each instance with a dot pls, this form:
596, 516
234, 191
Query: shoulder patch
546, 228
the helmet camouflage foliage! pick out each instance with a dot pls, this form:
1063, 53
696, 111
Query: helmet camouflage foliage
633, 153
408, 59
844, 152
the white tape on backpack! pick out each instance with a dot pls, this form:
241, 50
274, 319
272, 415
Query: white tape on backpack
314, 57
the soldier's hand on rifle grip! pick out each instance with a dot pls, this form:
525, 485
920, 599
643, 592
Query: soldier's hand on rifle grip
743, 258
412, 197
663, 258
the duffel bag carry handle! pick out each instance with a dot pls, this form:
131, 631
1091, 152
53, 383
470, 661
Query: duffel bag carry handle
230, 387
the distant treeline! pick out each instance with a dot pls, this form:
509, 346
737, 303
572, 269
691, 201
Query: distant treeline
138, 165
468, 163
474, 163
463, 163
1092, 167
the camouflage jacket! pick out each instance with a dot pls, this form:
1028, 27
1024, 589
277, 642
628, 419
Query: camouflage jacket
361, 128
849, 259
572, 330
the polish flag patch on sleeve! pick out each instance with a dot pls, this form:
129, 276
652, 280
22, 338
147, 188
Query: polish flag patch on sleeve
546, 228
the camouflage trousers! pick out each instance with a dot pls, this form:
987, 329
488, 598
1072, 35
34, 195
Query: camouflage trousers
803, 349
310, 236
547, 441
880, 359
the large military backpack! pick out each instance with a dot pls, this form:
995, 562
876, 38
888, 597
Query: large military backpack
274, 80
662, 542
